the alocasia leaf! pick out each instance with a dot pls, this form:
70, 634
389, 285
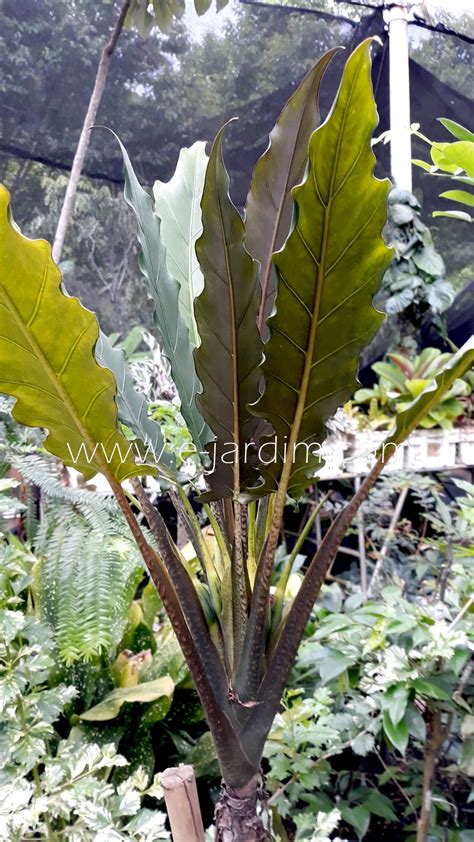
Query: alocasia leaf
228, 358
269, 204
328, 271
132, 407
178, 205
164, 291
47, 360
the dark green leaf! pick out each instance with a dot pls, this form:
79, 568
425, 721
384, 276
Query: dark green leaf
228, 358
358, 817
380, 805
395, 702
328, 271
269, 203
397, 734
431, 688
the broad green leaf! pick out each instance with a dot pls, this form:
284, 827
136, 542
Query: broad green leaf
110, 706
397, 734
456, 129
379, 805
164, 291
454, 156
392, 374
269, 203
334, 664
328, 271
416, 724
395, 702
178, 205
227, 361
459, 196
47, 360
429, 261
132, 407
429, 399
358, 817
431, 689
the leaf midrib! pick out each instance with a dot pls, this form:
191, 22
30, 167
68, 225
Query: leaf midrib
235, 373
303, 391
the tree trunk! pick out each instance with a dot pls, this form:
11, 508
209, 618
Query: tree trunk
84, 140
237, 817
434, 741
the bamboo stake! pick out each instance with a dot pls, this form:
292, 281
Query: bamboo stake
182, 804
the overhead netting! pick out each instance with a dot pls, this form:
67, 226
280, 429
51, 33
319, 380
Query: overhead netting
167, 91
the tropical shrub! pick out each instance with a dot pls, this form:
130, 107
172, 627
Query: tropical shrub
415, 281
239, 405
53, 779
376, 729
401, 379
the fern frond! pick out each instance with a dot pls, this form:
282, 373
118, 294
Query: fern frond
87, 581
43, 472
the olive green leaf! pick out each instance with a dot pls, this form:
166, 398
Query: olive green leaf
452, 157
47, 360
431, 396
459, 196
148, 691
269, 203
164, 291
459, 132
227, 361
178, 205
328, 271
132, 407
202, 6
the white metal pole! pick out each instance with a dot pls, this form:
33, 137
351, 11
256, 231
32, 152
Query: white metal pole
400, 137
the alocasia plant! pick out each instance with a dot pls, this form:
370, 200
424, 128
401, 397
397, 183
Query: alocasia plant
256, 409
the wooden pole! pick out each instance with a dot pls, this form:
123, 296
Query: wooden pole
182, 804
400, 136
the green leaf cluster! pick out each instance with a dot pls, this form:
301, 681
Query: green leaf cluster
402, 379
455, 160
